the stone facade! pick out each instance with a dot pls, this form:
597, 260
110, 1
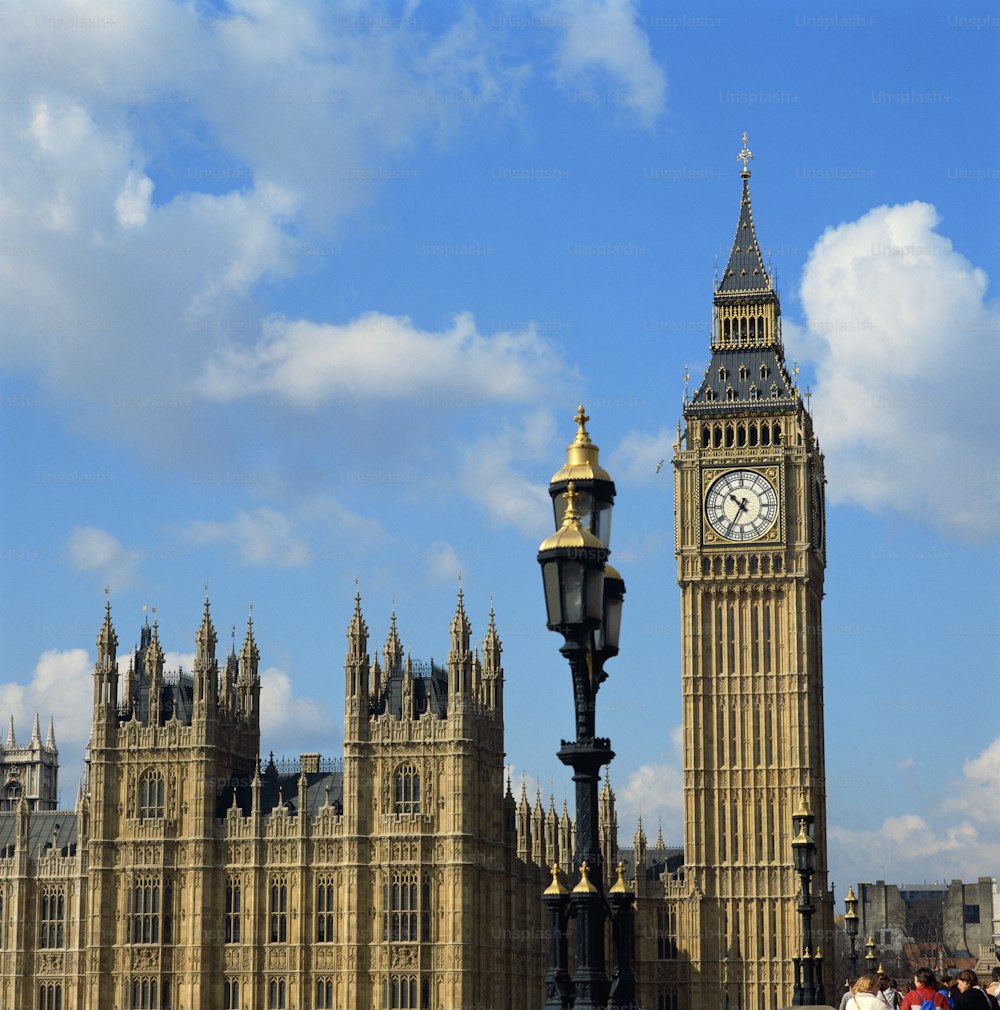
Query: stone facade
189, 876
30, 770
749, 532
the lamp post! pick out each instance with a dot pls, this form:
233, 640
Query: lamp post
851, 925
583, 600
870, 955
809, 988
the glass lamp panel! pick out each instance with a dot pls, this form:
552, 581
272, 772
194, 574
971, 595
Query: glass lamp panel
612, 624
553, 596
602, 528
595, 595
799, 855
574, 586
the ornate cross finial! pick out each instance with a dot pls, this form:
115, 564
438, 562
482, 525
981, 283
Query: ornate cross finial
107, 590
687, 379
580, 417
745, 155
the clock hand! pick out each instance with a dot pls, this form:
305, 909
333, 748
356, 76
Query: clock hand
742, 503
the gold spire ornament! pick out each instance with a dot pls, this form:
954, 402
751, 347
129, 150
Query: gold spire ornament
745, 155
585, 886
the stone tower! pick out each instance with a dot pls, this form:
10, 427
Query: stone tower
749, 529
30, 770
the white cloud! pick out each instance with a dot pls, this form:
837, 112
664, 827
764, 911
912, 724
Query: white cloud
61, 687
899, 325
299, 107
443, 563
292, 724
261, 536
656, 793
386, 357
490, 473
635, 459
601, 47
95, 550
132, 205
960, 840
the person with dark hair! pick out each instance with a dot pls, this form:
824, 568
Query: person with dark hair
924, 995
994, 988
888, 994
971, 996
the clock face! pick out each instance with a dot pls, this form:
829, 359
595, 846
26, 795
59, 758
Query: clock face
741, 505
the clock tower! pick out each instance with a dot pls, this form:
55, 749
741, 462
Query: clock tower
749, 534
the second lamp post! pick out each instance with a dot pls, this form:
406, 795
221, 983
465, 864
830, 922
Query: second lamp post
583, 601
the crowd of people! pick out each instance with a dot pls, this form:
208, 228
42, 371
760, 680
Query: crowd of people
961, 992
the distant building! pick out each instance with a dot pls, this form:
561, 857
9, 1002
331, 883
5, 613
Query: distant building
30, 770
955, 925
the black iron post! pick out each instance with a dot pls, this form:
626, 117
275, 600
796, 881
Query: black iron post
558, 985
622, 903
583, 598
851, 925
804, 852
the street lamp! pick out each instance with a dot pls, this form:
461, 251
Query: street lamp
583, 601
870, 956
809, 968
851, 925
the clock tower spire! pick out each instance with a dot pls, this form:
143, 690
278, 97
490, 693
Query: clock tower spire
749, 529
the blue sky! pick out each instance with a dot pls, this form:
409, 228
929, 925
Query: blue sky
296, 296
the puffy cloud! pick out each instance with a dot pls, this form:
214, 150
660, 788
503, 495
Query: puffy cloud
261, 536
601, 44
443, 563
92, 549
292, 723
898, 321
117, 268
496, 461
959, 840
60, 687
383, 356
656, 793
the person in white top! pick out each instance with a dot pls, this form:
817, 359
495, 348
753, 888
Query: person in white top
888, 994
865, 994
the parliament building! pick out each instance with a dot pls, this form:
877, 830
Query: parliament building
405, 873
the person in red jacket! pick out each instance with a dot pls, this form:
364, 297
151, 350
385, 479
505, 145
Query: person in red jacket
925, 989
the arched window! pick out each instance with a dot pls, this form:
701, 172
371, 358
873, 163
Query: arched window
11, 795
406, 905
142, 921
233, 901
277, 907
50, 996
231, 994
51, 917
406, 790
324, 994
143, 994
325, 893
276, 994
151, 794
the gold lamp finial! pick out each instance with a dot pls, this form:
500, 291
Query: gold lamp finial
745, 155
557, 886
619, 886
581, 455
585, 886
